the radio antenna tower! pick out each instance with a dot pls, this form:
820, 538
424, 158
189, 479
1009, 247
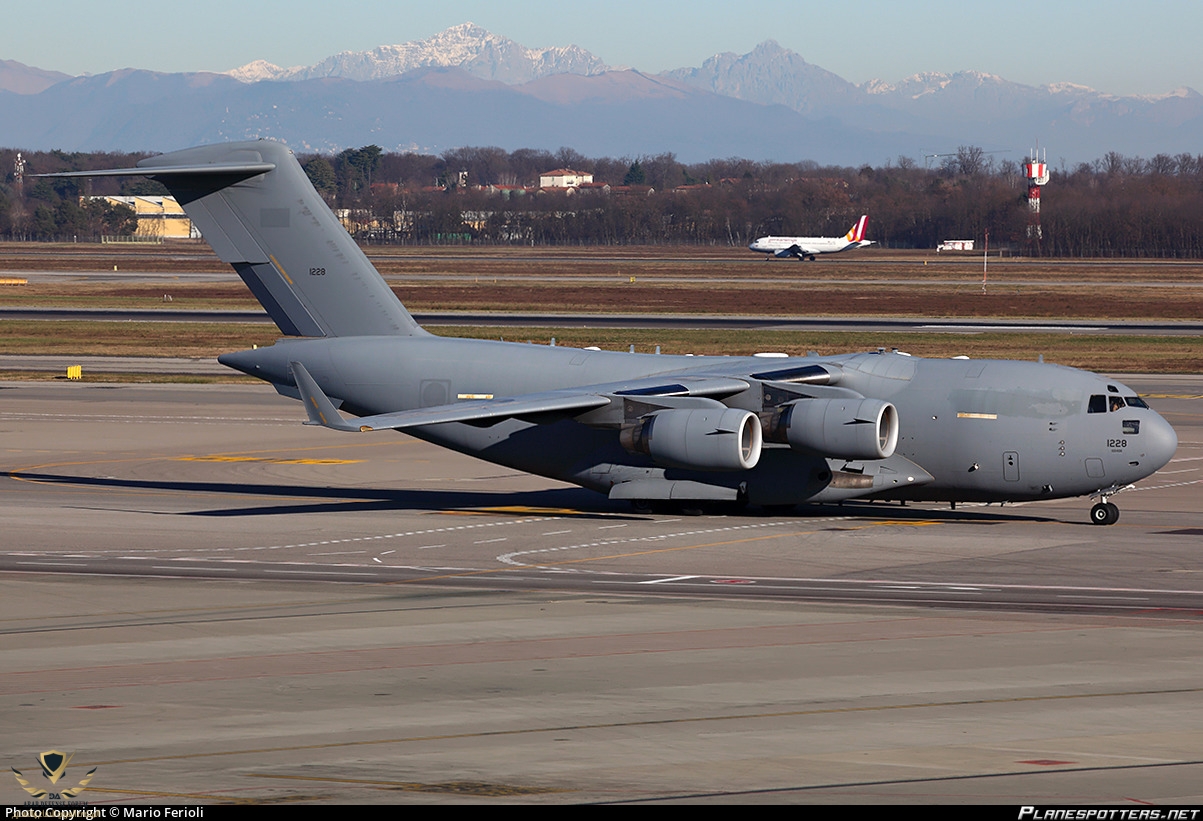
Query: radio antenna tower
19, 174
1036, 170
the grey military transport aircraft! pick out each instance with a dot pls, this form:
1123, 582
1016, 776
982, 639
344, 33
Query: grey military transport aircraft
657, 430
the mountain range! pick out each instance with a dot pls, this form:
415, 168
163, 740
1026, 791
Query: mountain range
467, 46
468, 86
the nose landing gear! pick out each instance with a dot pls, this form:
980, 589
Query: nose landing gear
1104, 513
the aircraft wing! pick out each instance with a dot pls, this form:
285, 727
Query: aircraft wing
321, 410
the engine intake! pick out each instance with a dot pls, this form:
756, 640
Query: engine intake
840, 428
698, 439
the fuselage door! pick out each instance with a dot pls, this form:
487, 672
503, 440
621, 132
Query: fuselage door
1011, 466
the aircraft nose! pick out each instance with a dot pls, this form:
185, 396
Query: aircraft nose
1161, 442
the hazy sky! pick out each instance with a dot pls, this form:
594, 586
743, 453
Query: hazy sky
1112, 46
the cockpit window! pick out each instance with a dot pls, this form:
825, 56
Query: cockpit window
1098, 404
1131, 427
1117, 403
1135, 402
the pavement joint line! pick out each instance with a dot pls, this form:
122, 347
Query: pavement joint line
509, 558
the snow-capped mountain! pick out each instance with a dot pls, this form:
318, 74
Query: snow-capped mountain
468, 86
467, 46
770, 74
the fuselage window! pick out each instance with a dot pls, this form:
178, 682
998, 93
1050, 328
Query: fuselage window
1135, 402
1098, 404
1131, 427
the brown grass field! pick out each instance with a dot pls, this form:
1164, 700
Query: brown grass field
618, 280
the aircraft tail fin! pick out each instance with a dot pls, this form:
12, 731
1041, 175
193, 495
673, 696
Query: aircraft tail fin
255, 206
857, 232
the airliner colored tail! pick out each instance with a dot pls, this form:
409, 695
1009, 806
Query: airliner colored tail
857, 232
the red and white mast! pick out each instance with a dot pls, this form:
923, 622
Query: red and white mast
1036, 170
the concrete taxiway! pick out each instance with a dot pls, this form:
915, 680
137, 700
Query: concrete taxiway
508, 319
207, 601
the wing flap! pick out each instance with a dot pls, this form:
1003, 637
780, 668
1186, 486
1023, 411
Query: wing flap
484, 410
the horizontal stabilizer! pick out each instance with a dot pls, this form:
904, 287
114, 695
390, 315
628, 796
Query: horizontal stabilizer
202, 169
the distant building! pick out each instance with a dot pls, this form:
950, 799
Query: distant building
564, 178
157, 216
357, 220
632, 190
505, 191
955, 245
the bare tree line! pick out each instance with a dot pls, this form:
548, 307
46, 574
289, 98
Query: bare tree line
1114, 206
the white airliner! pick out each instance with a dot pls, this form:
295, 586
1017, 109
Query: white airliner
810, 247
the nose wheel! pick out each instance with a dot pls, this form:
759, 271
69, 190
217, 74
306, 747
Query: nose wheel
1104, 513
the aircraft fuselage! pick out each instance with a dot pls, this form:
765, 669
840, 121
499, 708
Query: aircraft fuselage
969, 430
804, 246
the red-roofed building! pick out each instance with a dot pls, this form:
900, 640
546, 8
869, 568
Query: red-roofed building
564, 178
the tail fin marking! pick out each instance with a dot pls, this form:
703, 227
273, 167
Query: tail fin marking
860, 228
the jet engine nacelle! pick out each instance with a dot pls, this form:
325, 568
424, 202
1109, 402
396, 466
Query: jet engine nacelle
840, 428
698, 439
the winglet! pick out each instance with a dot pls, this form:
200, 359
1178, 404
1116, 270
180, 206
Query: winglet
318, 406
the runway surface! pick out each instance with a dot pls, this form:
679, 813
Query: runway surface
207, 601
774, 323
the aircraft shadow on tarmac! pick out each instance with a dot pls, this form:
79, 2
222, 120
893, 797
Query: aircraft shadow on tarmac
575, 502
572, 501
